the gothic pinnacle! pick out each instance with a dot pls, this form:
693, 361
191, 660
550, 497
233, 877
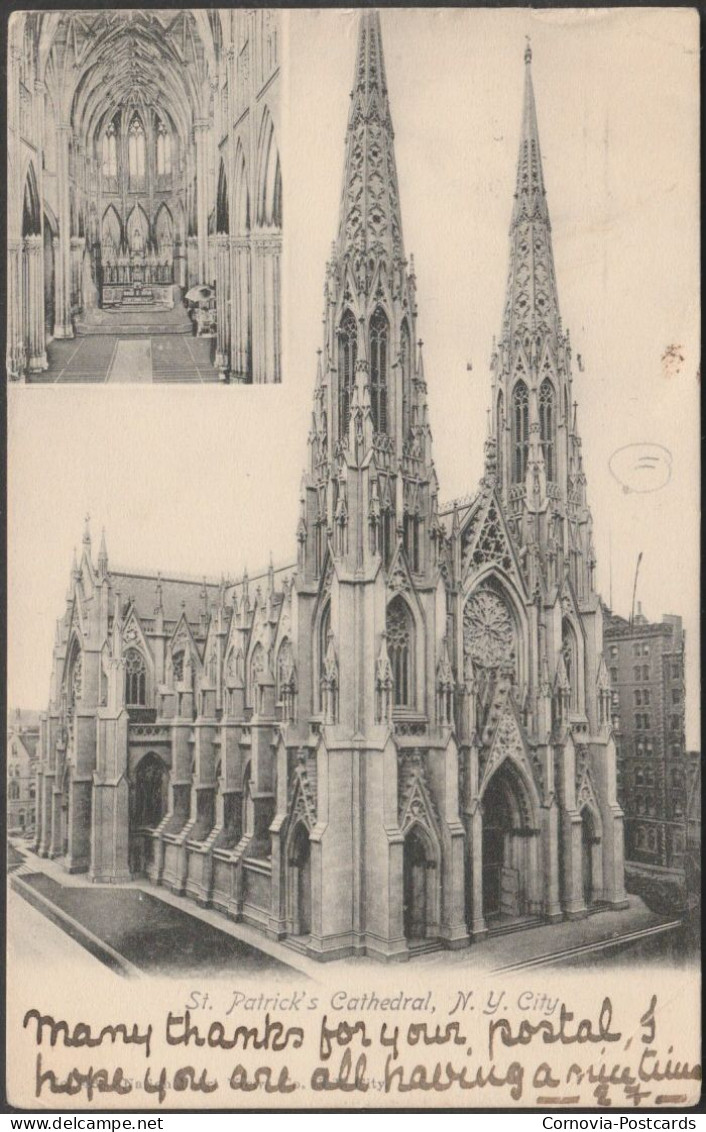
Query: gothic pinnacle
103, 555
368, 220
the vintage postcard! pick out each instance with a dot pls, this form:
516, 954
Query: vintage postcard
353, 736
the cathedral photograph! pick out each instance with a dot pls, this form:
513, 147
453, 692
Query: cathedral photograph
144, 196
331, 679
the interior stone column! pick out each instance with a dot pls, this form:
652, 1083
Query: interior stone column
222, 306
78, 244
63, 326
16, 358
241, 308
34, 311
201, 129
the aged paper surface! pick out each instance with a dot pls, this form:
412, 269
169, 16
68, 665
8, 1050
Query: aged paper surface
386, 824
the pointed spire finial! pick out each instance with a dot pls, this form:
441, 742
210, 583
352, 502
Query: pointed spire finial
87, 531
103, 555
370, 134
528, 50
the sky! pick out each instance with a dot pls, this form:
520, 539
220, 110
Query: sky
204, 480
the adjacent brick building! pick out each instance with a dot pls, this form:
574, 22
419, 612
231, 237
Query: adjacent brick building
645, 662
22, 741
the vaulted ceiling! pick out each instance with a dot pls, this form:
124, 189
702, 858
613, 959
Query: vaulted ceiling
95, 62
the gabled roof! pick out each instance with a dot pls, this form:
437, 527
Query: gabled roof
142, 588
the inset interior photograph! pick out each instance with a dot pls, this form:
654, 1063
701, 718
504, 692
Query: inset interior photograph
144, 196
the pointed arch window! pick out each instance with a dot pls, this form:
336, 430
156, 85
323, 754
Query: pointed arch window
399, 625
520, 431
569, 647
324, 629
257, 672
500, 433
547, 424
110, 152
164, 151
135, 679
136, 153
379, 354
406, 370
347, 358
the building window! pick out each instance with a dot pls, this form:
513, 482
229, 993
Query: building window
645, 672
164, 151
676, 722
614, 650
646, 722
324, 629
637, 672
400, 645
110, 152
569, 648
614, 675
406, 370
645, 650
347, 357
546, 426
636, 650
520, 431
645, 696
638, 721
638, 696
14, 791
136, 153
412, 524
178, 667
379, 350
676, 671
676, 695
135, 679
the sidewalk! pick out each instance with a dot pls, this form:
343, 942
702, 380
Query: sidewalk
154, 930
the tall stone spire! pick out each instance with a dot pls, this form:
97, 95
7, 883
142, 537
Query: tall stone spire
538, 469
370, 478
370, 209
532, 302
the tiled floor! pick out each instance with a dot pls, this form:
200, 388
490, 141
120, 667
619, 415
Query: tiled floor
105, 357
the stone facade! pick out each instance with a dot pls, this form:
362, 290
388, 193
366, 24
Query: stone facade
404, 741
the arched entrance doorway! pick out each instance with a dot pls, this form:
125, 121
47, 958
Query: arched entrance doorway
148, 804
508, 848
416, 895
300, 881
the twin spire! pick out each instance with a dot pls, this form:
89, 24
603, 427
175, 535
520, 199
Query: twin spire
532, 301
370, 221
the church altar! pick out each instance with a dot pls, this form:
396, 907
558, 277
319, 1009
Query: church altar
136, 277
137, 294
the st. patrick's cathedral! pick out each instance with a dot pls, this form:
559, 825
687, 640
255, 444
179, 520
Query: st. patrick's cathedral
144, 181
404, 742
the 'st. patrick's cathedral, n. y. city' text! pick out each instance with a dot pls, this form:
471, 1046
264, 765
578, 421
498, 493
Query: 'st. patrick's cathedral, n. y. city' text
404, 742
